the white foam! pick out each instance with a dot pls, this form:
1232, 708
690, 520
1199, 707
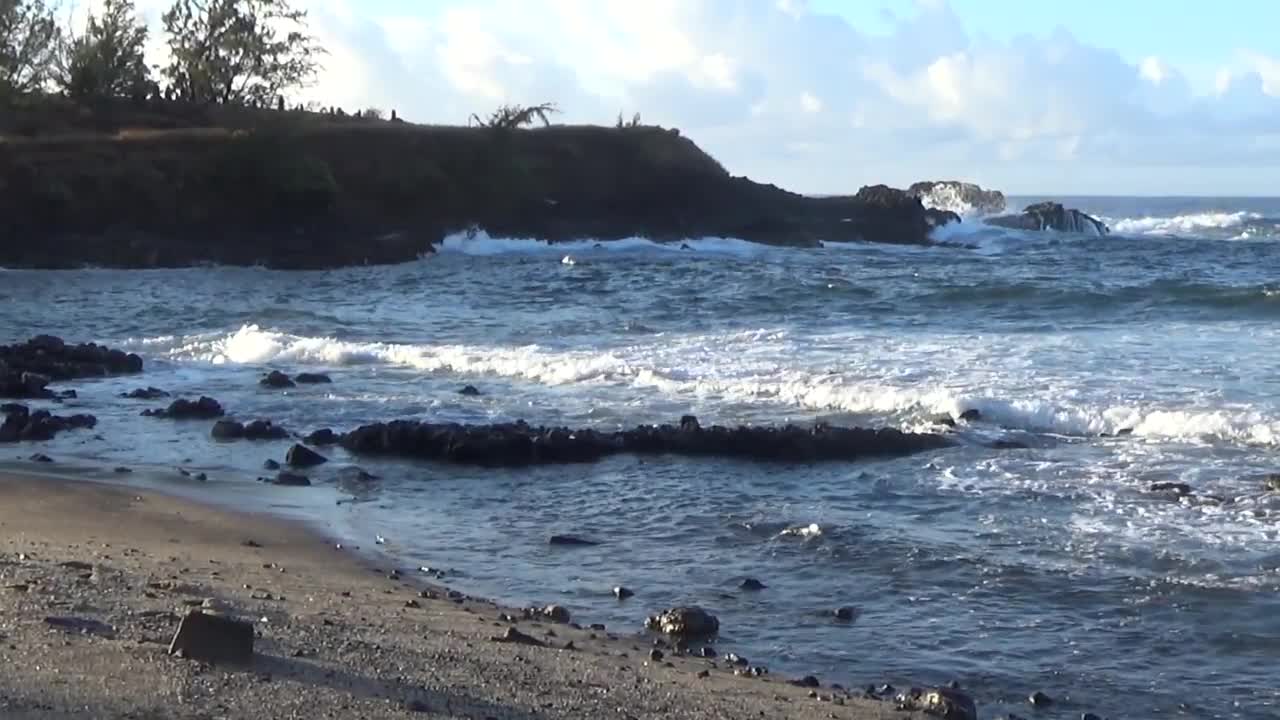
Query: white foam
480, 243
1181, 224
753, 368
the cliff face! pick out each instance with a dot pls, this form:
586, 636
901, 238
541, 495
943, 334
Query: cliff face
321, 193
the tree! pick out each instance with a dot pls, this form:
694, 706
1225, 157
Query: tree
29, 40
242, 52
108, 60
510, 117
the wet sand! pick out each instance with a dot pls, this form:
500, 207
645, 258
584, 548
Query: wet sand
338, 636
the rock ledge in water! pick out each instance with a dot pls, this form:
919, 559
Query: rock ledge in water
519, 444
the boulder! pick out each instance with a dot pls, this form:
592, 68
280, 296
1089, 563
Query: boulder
312, 379
1177, 488
213, 638
227, 430
556, 614
469, 390
622, 593
206, 408
751, 585
943, 702
324, 436
962, 197
301, 456
684, 622
1051, 216
276, 379
264, 430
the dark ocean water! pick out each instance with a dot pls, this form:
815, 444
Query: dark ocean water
1051, 568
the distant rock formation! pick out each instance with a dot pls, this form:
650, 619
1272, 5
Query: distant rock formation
1052, 216
959, 197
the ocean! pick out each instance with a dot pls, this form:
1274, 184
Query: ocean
1114, 363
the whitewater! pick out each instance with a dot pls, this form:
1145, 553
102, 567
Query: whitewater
1032, 555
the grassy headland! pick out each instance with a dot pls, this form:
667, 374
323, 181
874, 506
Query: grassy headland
162, 183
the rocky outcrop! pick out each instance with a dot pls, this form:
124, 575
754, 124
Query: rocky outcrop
26, 368
519, 444
1051, 216
960, 197
322, 195
20, 423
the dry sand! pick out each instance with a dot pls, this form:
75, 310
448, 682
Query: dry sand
338, 638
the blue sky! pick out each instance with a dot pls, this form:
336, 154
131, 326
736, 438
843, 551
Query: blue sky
1086, 97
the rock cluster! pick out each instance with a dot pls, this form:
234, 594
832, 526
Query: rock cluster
1051, 216
26, 368
20, 423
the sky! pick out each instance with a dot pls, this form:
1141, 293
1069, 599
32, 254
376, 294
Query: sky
1180, 97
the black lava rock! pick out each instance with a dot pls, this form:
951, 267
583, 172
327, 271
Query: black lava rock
301, 456
312, 379
276, 379
206, 408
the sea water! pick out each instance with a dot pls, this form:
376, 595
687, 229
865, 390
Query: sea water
1114, 362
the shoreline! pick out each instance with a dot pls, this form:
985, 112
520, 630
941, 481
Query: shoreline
338, 635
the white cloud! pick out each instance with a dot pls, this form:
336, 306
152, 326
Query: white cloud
764, 84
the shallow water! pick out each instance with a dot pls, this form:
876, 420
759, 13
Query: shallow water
1050, 568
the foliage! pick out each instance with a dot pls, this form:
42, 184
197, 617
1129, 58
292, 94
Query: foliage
372, 113
510, 117
633, 123
29, 40
108, 59
242, 52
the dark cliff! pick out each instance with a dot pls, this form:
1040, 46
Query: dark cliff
170, 186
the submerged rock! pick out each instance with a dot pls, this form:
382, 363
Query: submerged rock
146, 393
684, 622
751, 585
312, 379
469, 391
1177, 488
206, 408
1051, 216
519, 444
276, 379
622, 593
291, 479
570, 541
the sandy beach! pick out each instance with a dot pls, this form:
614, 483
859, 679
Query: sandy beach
95, 578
